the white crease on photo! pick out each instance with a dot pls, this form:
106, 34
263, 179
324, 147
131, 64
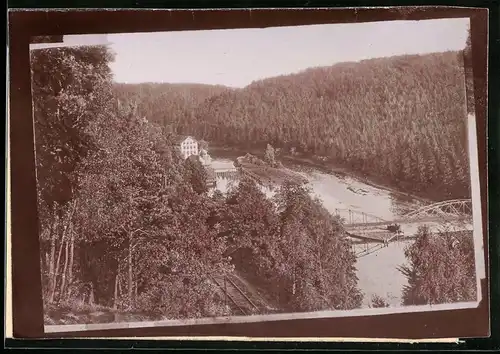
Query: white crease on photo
8, 234
260, 318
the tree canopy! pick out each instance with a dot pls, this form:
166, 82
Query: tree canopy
136, 229
401, 119
440, 269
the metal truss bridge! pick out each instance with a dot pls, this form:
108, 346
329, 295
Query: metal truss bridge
363, 228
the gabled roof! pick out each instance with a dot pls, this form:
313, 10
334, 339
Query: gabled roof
181, 138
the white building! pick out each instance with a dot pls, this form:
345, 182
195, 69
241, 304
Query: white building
188, 146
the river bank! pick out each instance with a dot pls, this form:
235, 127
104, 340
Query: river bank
306, 164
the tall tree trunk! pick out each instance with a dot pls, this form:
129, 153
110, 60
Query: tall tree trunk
65, 229
56, 271
52, 256
71, 246
130, 273
71, 258
135, 291
58, 263
47, 261
62, 295
115, 301
120, 288
91, 295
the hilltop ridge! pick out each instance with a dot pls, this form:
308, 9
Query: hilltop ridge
400, 118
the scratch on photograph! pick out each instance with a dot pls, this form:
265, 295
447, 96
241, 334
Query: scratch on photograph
256, 174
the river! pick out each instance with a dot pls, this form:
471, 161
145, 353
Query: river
377, 272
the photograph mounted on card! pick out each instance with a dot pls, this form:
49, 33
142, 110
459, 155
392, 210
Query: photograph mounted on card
248, 175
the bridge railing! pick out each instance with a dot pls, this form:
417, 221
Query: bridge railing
365, 250
449, 216
459, 209
355, 217
226, 174
445, 210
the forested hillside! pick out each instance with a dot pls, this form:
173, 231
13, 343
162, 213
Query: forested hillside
167, 104
402, 119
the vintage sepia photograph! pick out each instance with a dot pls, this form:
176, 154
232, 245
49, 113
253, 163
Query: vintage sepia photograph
256, 174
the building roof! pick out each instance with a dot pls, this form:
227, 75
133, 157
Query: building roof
181, 138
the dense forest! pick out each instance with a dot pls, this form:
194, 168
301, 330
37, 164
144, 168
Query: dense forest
399, 119
127, 225
167, 104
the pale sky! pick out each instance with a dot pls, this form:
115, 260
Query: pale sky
239, 56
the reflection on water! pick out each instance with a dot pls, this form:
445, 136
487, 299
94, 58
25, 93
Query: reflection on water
350, 193
378, 274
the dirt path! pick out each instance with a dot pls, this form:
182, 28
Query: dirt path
258, 296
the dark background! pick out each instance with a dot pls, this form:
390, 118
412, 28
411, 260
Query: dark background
26, 288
